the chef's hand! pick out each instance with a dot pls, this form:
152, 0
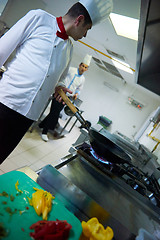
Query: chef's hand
75, 96
57, 96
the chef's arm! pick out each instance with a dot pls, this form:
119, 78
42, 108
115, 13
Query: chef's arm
16, 35
75, 96
61, 84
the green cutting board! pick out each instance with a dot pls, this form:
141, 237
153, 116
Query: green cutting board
18, 224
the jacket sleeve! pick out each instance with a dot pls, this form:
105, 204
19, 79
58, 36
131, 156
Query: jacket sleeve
62, 80
16, 35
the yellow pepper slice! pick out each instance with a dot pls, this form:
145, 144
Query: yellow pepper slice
95, 230
16, 186
42, 202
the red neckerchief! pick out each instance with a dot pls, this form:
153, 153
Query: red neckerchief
62, 34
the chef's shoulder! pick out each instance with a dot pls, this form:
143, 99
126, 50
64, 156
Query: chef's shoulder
39, 13
72, 70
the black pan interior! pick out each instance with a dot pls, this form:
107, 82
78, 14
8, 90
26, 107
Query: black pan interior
68, 111
106, 148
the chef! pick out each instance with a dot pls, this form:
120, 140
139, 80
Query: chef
43, 54
74, 81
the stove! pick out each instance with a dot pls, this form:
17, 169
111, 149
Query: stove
121, 195
140, 181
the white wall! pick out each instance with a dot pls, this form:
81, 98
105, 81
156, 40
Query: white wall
100, 100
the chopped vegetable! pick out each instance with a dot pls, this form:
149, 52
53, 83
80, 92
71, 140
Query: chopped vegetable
3, 231
16, 186
12, 197
51, 230
94, 230
4, 194
42, 202
21, 212
9, 210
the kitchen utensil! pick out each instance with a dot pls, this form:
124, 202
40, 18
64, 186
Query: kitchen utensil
73, 109
68, 111
104, 146
18, 223
106, 149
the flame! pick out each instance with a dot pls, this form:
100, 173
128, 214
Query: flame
98, 158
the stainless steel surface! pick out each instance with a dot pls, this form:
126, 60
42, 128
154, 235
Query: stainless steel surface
133, 210
121, 195
79, 203
148, 65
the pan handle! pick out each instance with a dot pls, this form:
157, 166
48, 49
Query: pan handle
67, 101
73, 109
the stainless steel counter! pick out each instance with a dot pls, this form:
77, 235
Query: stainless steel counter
132, 209
78, 202
88, 192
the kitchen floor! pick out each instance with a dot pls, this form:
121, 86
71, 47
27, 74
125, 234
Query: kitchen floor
34, 153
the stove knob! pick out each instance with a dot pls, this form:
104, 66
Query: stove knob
151, 197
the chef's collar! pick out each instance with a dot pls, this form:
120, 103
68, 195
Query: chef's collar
62, 34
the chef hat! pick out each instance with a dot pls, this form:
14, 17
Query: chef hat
87, 59
97, 9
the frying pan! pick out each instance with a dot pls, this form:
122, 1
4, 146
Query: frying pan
104, 146
68, 111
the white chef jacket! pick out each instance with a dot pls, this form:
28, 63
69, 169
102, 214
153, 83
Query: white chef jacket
74, 81
41, 59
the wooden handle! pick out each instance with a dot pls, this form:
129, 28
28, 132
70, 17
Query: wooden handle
67, 101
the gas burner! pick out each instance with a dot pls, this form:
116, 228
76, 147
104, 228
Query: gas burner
137, 186
93, 153
132, 175
134, 172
